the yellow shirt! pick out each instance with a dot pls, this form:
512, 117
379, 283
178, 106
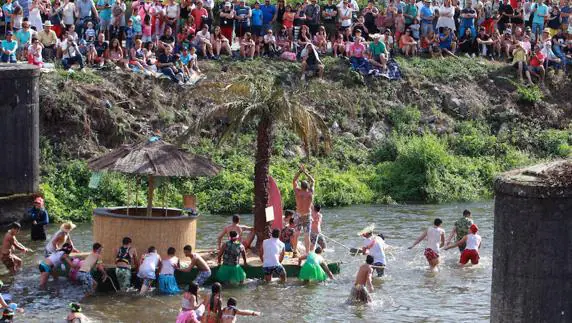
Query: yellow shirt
47, 38
519, 55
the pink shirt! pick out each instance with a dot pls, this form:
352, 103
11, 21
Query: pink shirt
357, 50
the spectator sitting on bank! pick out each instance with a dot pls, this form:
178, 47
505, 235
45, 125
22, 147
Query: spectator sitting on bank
35, 54
357, 51
71, 54
220, 43
166, 65
311, 61
270, 47
339, 45
407, 44
116, 54
204, 42
321, 40
9, 47
49, 40
378, 52
467, 45
98, 53
247, 46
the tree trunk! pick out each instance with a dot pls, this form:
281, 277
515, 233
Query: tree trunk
261, 169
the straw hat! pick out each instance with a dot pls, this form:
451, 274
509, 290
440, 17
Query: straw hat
375, 36
47, 23
67, 227
368, 229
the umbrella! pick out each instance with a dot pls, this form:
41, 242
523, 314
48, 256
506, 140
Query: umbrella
154, 157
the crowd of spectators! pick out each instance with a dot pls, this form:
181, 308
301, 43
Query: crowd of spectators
171, 36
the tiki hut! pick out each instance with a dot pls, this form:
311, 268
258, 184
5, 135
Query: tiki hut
160, 227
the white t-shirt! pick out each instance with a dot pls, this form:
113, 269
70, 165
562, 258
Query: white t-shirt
473, 241
345, 12
68, 13
168, 266
272, 249
150, 262
376, 251
434, 238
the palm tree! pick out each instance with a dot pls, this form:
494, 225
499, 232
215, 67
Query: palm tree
258, 100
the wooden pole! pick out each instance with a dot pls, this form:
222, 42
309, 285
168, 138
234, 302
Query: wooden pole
150, 196
128, 195
137, 186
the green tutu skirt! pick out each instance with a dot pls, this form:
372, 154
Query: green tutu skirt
229, 273
312, 272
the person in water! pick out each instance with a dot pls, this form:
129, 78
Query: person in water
229, 313
289, 234
191, 309
148, 268
213, 305
238, 228
229, 255
375, 246
40, 220
75, 315
198, 261
472, 243
272, 255
125, 258
9, 243
435, 236
59, 238
316, 229
461, 229
51, 264
304, 195
315, 268
93, 260
167, 282
363, 284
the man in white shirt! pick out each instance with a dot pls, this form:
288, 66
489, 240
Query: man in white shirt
435, 236
375, 246
71, 53
272, 254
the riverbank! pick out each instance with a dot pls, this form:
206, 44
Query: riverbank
440, 134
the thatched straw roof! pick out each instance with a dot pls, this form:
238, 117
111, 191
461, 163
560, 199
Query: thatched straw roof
156, 158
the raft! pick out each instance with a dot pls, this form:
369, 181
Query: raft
253, 271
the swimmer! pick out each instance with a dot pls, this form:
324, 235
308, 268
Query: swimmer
230, 312
10, 260
472, 241
51, 264
435, 236
363, 283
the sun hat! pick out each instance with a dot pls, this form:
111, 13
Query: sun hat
67, 227
368, 229
47, 23
375, 36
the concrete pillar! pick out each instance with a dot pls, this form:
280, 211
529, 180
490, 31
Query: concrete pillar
19, 138
532, 257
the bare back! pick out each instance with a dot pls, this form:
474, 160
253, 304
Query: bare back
199, 262
364, 274
304, 199
7, 243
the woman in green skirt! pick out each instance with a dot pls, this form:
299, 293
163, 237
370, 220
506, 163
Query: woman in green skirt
230, 270
315, 268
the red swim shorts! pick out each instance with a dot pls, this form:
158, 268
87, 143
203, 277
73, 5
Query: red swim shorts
430, 254
469, 254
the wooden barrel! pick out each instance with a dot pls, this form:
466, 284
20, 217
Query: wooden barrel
165, 228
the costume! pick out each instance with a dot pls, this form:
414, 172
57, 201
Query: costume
312, 270
167, 282
230, 271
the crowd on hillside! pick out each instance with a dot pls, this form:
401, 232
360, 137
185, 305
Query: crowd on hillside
169, 37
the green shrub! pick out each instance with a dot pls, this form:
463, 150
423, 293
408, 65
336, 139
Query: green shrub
556, 142
529, 94
473, 139
405, 120
386, 150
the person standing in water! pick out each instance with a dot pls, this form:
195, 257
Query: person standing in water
9, 243
196, 260
84, 276
213, 305
435, 236
304, 200
59, 238
75, 315
315, 267
229, 313
237, 227
271, 255
375, 246
51, 264
40, 220
316, 229
125, 258
229, 255
472, 241
461, 229
148, 269
289, 234
363, 284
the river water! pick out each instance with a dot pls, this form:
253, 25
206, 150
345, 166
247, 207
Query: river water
408, 293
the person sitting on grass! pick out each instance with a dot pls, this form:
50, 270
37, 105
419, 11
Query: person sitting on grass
311, 61
447, 42
204, 41
247, 46
166, 65
229, 313
407, 44
536, 64
321, 40
270, 47
467, 44
220, 43
339, 45
357, 51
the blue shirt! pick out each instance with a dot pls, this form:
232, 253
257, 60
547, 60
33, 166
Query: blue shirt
565, 9
445, 43
541, 10
468, 22
268, 12
25, 7
256, 17
8, 9
23, 36
241, 10
426, 14
39, 215
105, 14
9, 45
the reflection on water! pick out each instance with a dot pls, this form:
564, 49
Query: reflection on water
409, 292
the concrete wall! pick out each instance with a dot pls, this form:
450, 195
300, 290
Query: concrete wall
19, 139
532, 258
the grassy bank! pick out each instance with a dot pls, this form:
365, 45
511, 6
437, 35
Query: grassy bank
440, 135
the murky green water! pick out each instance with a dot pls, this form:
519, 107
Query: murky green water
409, 293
